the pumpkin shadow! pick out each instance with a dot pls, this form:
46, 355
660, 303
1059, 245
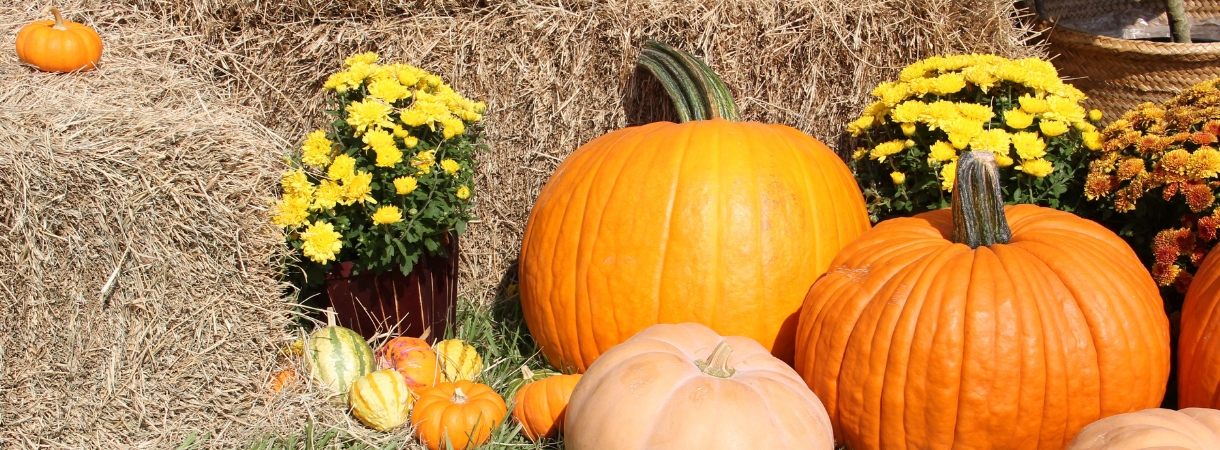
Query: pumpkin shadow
645, 100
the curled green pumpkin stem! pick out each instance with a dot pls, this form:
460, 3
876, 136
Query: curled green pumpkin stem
717, 365
978, 202
697, 92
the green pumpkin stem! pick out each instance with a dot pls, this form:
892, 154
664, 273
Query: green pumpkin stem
717, 365
697, 92
978, 202
59, 20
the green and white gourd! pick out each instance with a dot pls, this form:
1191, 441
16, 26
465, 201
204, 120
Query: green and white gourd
337, 357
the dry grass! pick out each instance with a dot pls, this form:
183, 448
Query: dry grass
139, 290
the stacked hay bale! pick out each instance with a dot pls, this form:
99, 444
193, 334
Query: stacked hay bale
139, 289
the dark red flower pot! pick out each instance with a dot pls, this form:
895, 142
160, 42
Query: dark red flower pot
406, 305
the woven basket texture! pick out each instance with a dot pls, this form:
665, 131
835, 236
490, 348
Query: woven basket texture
1118, 74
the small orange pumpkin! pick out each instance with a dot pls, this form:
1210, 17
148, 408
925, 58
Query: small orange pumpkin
282, 379
59, 45
411, 357
541, 404
462, 413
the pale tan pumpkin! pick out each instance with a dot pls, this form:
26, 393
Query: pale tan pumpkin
683, 386
1160, 429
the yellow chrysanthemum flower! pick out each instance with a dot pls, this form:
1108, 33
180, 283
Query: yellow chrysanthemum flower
358, 188
940, 114
423, 161
898, 177
368, 113
405, 185
1032, 105
361, 58
859, 126
994, 140
1028, 145
1018, 119
908, 111
342, 168
316, 149
892, 93
450, 166
859, 153
382, 143
389, 89
328, 194
1037, 167
949, 83
1204, 163
962, 131
1095, 115
295, 183
386, 215
942, 151
292, 211
452, 126
947, 174
463, 192
1092, 140
885, 149
1052, 128
907, 129
320, 242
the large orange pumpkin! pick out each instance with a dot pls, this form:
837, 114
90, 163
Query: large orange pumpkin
59, 45
713, 221
1199, 340
982, 327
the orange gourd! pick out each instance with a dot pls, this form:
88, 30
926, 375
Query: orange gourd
411, 357
685, 387
1199, 340
984, 327
59, 45
540, 405
1153, 429
461, 413
715, 221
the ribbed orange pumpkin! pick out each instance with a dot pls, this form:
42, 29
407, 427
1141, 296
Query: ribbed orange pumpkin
714, 221
951, 329
461, 413
1153, 429
1199, 340
59, 45
541, 404
411, 357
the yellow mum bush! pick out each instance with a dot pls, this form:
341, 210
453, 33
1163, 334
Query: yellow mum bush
364, 190
1020, 110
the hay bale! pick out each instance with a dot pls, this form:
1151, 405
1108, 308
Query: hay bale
556, 74
156, 170
138, 287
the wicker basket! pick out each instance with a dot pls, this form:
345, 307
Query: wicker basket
1093, 43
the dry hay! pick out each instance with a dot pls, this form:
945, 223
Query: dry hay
138, 300
158, 168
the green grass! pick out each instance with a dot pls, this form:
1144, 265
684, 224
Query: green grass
499, 334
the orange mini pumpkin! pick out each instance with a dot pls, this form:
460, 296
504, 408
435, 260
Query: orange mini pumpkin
411, 357
980, 326
59, 45
541, 404
711, 220
462, 413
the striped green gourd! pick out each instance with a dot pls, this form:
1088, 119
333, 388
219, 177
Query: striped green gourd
337, 356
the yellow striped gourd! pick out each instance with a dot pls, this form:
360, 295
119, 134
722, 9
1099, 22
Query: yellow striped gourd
458, 361
337, 356
381, 399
